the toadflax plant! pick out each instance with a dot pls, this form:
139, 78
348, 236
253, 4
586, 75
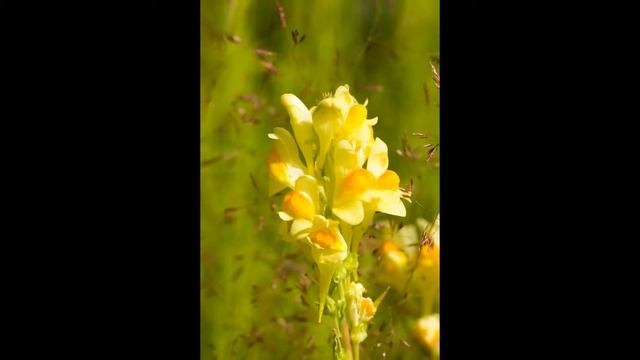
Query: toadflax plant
330, 201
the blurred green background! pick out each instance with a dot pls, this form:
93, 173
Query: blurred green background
256, 293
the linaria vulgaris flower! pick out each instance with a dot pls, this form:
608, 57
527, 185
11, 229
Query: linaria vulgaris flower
330, 191
328, 250
374, 189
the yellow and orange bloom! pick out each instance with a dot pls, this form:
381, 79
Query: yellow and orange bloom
375, 188
430, 255
327, 248
301, 205
332, 190
393, 258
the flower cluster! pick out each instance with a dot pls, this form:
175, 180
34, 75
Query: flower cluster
334, 189
411, 252
415, 269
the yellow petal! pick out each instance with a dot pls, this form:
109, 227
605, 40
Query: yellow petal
362, 139
386, 201
284, 162
301, 124
344, 100
308, 185
389, 180
275, 184
351, 211
378, 159
355, 119
300, 228
395, 260
327, 243
429, 256
286, 145
324, 238
284, 216
345, 160
334, 255
327, 119
277, 166
298, 205
356, 182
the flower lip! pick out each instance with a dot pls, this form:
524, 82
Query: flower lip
389, 180
298, 205
323, 238
356, 182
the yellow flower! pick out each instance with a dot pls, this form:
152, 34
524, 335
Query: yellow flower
340, 117
301, 205
430, 256
427, 330
283, 161
375, 187
327, 244
328, 250
394, 259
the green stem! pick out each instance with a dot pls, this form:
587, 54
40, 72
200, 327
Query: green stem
344, 327
358, 233
347, 338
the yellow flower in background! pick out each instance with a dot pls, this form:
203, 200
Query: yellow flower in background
426, 279
283, 161
430, 255
375, 187
393, 259
427, 330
